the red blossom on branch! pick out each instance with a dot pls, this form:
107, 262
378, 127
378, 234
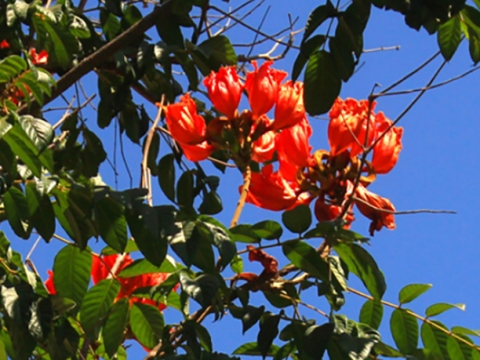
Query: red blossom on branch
40, 58
224, 90
376, 208
4, 44
262, 86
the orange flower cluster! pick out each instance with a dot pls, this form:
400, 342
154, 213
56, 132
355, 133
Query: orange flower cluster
253, 132
332, 177
101, 269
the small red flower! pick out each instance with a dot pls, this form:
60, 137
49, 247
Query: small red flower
49, 283
262, 85
102, 266
185, 125
40, 58
4, 44
264, 147
387, 150
347, 129
292, 144
329, 212
224, 90
289, 110
376, 208
269, 190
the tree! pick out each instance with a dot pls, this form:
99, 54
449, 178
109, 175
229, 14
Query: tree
173, 250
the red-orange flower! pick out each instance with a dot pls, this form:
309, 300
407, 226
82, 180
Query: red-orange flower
224, 90
4, 44
347, 129
38, 59
289, 110
269, 190
49, 283
262, 85
197, 152
386, 151
184, 123
376, 208
264, 147
292, 144
102, 266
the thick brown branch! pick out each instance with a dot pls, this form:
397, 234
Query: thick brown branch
104, 53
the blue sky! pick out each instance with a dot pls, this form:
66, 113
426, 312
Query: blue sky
437, 169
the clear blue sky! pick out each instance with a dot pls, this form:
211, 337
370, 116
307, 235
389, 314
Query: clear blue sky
437, 169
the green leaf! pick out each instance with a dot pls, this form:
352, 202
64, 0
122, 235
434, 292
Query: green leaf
322, 83
464, 331
362, 264
202, 289
454, 349
110, 24
268, 332
371, 313
250, 316
41, 210
169, 29
449, 36
244, 233
18, 214
147, 324
220, 50
71, 270
297, 220
96, 304
93, 154
306, 50
237, 264
189, 68
411, 292
62, 44
317, 339
113, 331
185, 191
306, 258
221, 239
166, 176
317, 17
211, 204
252, 349
21, 145
112, 225
388, 351
268, 230
404, 328
434, 339
143, 222
143, 266
437, 309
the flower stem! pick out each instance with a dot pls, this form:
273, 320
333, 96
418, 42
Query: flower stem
247, 177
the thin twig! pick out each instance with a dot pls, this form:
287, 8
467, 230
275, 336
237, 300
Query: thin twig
241, 202
434, 86
145, 170
35, 244
406, 212
252, 28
